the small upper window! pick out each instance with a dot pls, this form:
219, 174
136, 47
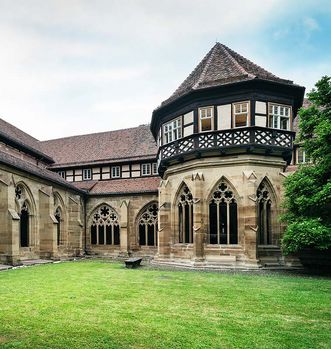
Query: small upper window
145, 169
279, 116
115, 172
172, 130
62, 174
240, 114
206, 119
302, 156
87, 174
155, 168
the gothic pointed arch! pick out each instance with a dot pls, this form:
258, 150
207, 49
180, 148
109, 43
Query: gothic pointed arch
25, 225
25, 208
22, 194
147, 224
266, 203
223, 214
59, 218
105, 226
60, 215
184, 203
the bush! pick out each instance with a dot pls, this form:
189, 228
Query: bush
308, 233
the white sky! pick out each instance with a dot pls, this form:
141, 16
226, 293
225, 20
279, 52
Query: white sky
73, 66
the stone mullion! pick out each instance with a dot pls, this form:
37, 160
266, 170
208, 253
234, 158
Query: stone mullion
198, 218
166, 225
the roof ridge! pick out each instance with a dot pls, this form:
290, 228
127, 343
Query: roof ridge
241, 68
204, 70
93, 133
254, 64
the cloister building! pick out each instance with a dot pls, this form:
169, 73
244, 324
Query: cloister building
200, 186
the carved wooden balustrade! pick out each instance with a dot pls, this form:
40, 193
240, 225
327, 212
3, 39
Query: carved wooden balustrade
254, 137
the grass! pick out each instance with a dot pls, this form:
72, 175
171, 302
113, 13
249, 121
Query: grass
96, 304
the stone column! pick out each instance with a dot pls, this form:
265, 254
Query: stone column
249, 218
164, 220
199, 225
75, 226
124, 236
47, 226
9, 224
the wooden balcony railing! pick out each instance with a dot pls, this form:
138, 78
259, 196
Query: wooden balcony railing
260, 137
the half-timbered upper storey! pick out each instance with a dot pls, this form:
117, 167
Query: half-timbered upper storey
227, 105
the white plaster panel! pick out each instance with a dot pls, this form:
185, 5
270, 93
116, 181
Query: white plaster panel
135, 167
79, 178
125, 174
96, 177
260, 107
188, 118
125, 168
135, 173
79, 172
189, 130
105, 175
260, 120
224, 116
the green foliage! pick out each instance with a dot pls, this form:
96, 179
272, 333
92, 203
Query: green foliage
309, 233
308, 191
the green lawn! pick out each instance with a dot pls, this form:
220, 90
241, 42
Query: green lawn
96, 304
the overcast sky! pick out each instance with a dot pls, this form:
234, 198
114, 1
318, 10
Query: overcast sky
71, 67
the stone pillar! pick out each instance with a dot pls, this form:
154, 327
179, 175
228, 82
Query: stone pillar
164, 219
75, 225
47, 226
249, 218
199, 226
124, 236
9, 224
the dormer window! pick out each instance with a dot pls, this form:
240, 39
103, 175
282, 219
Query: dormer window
206, 119
115, 172
145, 169
62, 174
279, 116
240, 114
172, 130
155, 168
87, 174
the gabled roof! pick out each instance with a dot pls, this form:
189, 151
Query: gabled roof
15, 137
30, 168
128, 144
222, 66
120, 186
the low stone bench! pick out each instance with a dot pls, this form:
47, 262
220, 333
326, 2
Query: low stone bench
133, 262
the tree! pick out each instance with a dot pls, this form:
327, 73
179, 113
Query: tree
308, 190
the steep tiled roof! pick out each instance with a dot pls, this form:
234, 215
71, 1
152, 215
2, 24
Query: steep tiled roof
222, 66
18, 138
25, 166
128, 144
121, 186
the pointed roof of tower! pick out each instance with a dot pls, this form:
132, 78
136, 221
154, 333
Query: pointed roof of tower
222, 66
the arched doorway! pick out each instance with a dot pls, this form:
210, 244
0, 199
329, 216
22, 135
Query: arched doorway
24, 226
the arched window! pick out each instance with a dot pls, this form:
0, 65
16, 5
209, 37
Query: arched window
185, 215
24, 226
105, 228
223, 216
58, 217
148, 226
264, 205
